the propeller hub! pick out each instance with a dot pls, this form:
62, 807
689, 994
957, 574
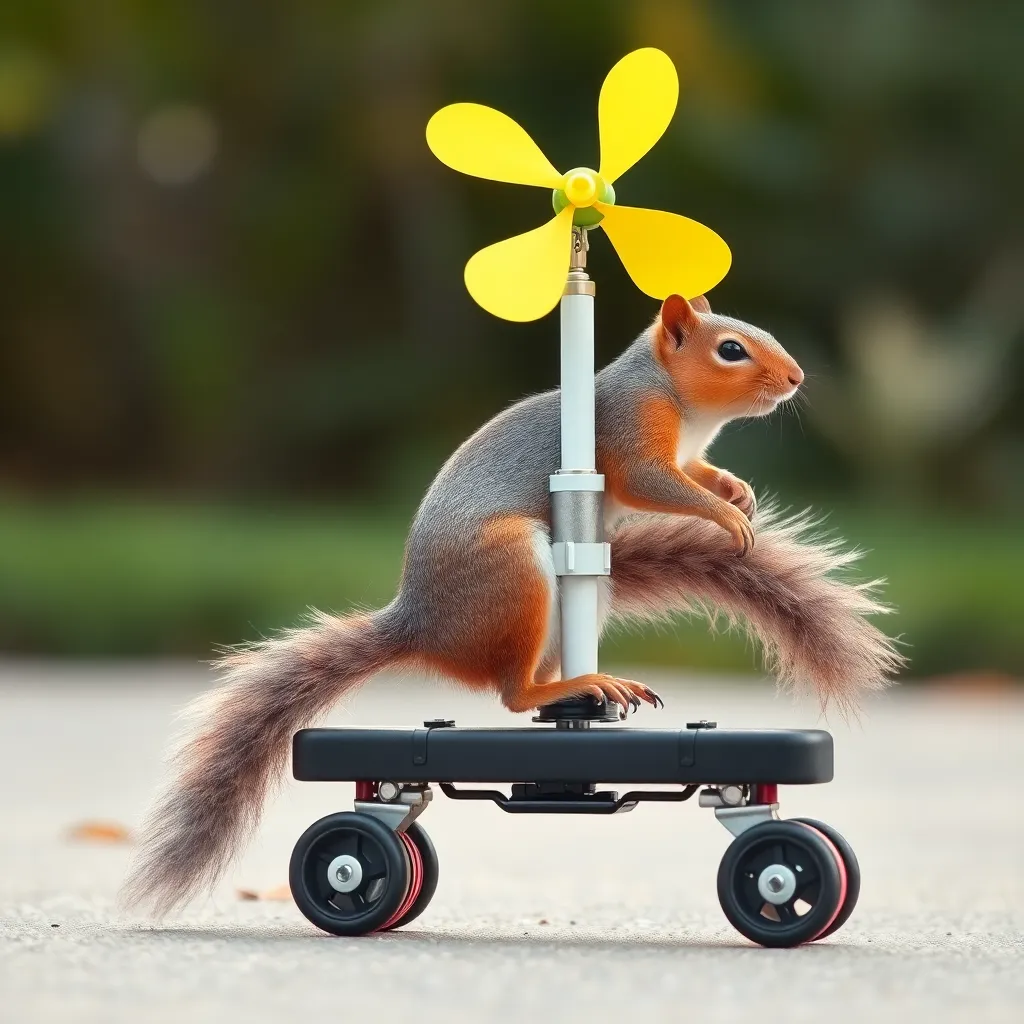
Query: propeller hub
581, 188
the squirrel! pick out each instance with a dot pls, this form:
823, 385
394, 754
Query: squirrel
477, 601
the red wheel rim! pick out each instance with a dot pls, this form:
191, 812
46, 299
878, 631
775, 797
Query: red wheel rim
841, 864
415, 883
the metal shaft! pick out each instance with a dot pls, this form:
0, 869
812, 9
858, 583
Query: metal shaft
577, 500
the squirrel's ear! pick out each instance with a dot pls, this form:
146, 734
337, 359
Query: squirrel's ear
677, 318
701, 304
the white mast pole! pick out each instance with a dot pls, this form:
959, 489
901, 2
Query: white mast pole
580, 554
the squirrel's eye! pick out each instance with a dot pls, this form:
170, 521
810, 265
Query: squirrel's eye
732, 351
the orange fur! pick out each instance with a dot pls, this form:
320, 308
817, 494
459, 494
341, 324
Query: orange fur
659, 421
704, 474
685, 338
512, 628
510, 631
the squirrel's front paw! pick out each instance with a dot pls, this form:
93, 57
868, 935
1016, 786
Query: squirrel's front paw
739, 493
737, 525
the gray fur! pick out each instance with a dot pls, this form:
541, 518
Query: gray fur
503, 469
236, 745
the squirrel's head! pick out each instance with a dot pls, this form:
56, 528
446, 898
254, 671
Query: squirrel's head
722, 365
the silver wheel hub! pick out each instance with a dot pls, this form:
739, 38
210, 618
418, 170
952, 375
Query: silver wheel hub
345, 873
776, 884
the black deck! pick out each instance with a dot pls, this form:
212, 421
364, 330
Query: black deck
541, 754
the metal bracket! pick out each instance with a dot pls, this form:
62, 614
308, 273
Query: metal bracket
724, 796
575, 559
529, 798
400, 814
738, 819
580, 248
733, 809
578, 282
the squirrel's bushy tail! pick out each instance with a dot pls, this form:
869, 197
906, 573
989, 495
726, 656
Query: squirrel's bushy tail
236, 745
788, 591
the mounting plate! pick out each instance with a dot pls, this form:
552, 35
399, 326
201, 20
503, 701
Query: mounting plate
543, 754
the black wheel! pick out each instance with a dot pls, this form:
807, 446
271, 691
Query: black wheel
852, 871
428, 885
349, 873
781, 884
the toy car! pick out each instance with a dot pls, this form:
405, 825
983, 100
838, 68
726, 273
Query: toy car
374, 868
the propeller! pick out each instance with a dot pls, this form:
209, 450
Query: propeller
521, 278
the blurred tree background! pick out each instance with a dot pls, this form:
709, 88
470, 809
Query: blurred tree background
235, 344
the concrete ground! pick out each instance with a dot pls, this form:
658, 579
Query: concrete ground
541, 918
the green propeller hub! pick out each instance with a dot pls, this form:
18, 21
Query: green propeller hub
581, 188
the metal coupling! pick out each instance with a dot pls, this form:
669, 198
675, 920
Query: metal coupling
578, 282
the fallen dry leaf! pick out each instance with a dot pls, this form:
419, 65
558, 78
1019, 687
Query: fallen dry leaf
280, 893
979, 681
99, 832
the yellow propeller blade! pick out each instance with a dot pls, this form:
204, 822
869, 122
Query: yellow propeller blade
522, 277
637, 102
486, 143
664, 253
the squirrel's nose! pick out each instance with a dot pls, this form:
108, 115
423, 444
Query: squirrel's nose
796, 376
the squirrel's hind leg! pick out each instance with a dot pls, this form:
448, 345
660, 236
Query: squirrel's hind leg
500, 626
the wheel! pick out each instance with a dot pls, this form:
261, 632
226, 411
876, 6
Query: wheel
845, 851
350, 874
781, 883
416, 837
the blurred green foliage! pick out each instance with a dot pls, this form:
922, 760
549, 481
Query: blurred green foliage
231, 272
91, 577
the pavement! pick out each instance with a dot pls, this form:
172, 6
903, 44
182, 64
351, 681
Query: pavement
535, 918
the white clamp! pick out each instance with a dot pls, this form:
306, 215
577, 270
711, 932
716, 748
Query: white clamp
576, 480
575, 559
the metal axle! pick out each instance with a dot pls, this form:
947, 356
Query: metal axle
580, 553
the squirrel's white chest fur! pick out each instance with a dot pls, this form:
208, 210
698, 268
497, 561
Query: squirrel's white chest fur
695, 436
